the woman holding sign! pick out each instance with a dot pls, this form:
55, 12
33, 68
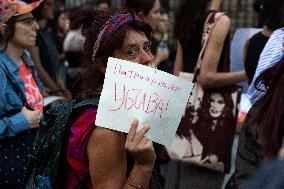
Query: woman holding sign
101, 159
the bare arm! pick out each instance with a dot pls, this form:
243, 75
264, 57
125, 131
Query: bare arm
178, 66
161, 56
246, 51
59, 89
209, 77
107, 159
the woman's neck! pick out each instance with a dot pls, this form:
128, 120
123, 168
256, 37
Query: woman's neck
15, 52
157, 35
266, 31
214, 5
42, 23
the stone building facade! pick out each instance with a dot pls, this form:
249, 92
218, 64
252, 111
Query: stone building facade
240, 11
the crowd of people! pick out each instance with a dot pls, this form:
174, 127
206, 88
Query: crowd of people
48, 50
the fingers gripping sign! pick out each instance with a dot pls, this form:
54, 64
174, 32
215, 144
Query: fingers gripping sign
139, 146
132, 131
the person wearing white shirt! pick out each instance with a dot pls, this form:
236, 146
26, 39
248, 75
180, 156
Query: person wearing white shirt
270, 55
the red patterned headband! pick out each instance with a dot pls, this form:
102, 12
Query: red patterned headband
108, 29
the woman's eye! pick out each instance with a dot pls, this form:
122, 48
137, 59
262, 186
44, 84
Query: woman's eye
221, 102
147, 48
28, 22
132, 52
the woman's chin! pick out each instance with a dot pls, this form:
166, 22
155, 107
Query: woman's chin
31, 44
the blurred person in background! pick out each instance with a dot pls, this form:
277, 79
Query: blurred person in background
272, 51
262, 136
59, 29
188, 29
102, 5
45, 53
258, 7
149, 10
271, 55
250, 153
73, 46
21, 91
161, 35
271, 18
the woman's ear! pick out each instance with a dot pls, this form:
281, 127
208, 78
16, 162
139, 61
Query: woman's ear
102, 67
141, 14
3, 28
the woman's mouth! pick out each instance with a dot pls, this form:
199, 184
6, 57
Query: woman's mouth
33, 38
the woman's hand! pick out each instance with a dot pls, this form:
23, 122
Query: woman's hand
33, 117
163, 54
67, 94
140, 147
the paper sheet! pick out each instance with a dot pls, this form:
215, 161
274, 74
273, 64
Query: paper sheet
135, 91
50, 99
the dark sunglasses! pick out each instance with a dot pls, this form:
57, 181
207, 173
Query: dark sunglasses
28, 21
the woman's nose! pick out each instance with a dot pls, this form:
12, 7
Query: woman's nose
214, 105
146, 58
35, 25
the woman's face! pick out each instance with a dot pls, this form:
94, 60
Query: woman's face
103, 7
25, 31
63, 22
164, 23
48, 9
217, 105
154, 16
136, 48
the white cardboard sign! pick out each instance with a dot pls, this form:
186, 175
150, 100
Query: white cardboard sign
135, 91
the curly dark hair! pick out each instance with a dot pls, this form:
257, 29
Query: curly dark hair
92, 77
228, 101
54, 23
190, 15
272, 14
72, 15
140, 6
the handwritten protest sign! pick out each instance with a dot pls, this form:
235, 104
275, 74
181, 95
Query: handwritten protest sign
135, 91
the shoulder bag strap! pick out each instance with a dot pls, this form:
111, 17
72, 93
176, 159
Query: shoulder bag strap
209, 24
94, 101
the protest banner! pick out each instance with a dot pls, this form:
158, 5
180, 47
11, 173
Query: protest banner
136, 91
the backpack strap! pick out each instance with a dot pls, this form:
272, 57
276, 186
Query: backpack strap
94, 101
50, 144
64, 110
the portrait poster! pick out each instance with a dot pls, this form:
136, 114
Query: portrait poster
207, 129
